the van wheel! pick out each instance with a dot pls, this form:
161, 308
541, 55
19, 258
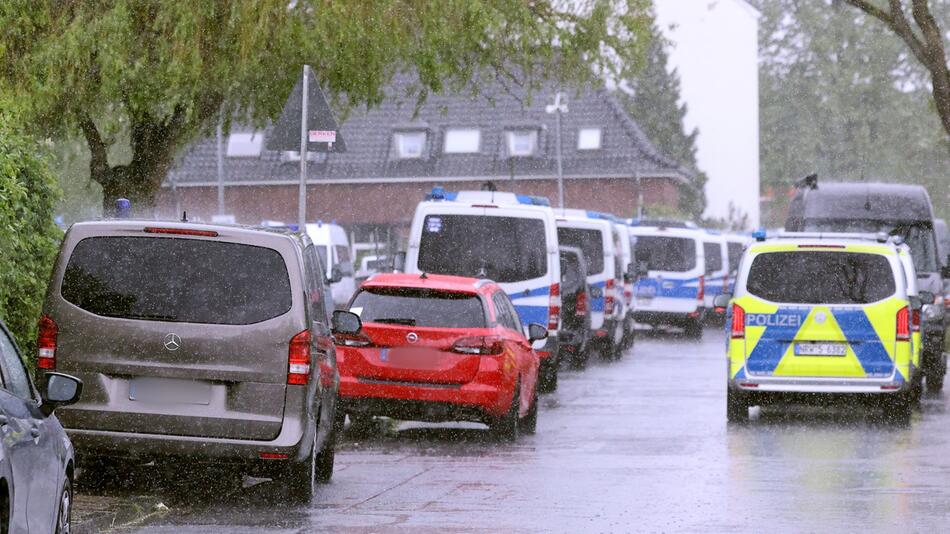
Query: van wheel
737, 406
506, 428
694, 329
934, 383
324, 462
65, 514
897, 409
547, 375
299, 478
530, 421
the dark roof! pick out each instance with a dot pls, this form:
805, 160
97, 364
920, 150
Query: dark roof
625, 150
861, 200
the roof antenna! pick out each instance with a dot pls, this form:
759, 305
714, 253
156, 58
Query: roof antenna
423, 276
810, 181
184, 216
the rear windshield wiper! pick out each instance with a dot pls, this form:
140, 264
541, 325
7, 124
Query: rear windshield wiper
146, 316
395, 320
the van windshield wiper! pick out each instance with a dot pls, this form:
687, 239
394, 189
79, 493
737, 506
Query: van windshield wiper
396, 320
147, 316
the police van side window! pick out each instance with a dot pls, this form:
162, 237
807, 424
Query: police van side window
713, 254
314, 285
806, 277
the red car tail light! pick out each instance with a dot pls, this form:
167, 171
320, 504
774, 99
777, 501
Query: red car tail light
46, 343
580, 308
181, 231
298, 359
738, 322
609, 297
482, 345
903, 324
554, 307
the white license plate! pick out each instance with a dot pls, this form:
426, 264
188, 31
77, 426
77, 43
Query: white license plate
820, 349
169, 391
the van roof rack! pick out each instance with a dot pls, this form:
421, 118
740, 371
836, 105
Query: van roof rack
880, 237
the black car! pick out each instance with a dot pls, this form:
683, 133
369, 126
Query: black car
575, 307
36, 466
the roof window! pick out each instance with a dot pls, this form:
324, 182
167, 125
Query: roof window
589, 139
462, 141
409, 145
245, 144
522, 143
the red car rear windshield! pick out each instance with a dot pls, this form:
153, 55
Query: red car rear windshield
419, 307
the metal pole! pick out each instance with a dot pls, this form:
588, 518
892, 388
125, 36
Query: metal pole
639, 198
560, 175
302, 201
220, 170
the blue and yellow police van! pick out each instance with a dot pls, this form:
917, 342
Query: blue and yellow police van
817, 315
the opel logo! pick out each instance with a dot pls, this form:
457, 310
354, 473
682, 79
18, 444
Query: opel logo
172, 342
820, 317
412, 337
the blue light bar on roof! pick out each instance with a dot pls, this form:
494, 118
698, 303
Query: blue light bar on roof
532, 200
759, 235
439, 193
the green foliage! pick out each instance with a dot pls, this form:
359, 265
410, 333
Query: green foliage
841, 96
164, 71
652, 97
29, 238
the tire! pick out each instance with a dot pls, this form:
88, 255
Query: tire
547, 376
935, 382
530, 421
64, 514
898, 408
505, 428
694, 329
299, 478
324, 461
737, 406
578, 360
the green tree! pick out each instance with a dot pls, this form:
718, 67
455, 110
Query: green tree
652, 98
157, 74
28, 194
843, 99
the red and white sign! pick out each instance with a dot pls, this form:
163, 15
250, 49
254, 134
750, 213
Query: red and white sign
322, 136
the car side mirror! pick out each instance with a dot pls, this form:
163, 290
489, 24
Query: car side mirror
346, 322
722, 300
61, 390
399, 262
926, 297
643, 269
537, 332
336, 274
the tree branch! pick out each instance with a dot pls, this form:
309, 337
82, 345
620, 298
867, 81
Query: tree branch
872, 10
99, 162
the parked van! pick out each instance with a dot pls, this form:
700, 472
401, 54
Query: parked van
198, 342
716, 253
596, 238
895, 209
510, 239
672, 293
334, 249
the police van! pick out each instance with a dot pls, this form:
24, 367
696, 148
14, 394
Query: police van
716, 279
594, 235
673, 290
816, 314
508, 238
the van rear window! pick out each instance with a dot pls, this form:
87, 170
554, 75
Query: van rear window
180, 280
591, 243
419, 307
820, 277
674, 254
504, 249
713, 257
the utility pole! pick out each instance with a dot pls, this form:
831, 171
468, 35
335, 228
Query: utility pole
558, 107
220, 169
302, 200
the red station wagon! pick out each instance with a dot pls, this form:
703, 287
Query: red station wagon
439, 348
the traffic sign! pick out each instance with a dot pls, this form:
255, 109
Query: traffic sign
324, 133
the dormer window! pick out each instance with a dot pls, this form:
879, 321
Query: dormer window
589, 139
409, 145
462, 141
245, 145
522, 143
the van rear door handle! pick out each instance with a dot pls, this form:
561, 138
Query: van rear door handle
35, 432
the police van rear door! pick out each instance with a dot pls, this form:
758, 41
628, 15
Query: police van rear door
822, 311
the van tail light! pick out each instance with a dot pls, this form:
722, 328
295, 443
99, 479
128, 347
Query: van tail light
554, 307
903, 324
46, 343
915, 321
298, 359
701, 294
580, 308
609, 297
482, 345
738, 322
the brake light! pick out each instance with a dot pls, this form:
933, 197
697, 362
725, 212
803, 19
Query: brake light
482, 345
554, 307
738, 322
915, 321
46, 343
701, 294
609, 297
181, 231
298, 359
580, 309
903, 324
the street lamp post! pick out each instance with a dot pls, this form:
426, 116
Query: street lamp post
558, 107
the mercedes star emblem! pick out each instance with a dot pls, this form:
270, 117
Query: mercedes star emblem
412, 337
172, 342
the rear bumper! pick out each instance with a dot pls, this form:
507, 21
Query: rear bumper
425, 402
883, 386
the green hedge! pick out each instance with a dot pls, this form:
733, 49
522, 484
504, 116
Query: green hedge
29, 238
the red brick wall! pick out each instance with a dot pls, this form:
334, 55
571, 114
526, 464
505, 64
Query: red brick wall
391, 203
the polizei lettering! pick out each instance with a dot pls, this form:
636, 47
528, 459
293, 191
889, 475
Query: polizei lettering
773, 319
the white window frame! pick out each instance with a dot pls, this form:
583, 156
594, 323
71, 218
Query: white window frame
512, 135
465, 144
584, 142
245, 145
400, 146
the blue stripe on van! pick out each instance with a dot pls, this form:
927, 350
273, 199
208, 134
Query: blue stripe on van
599, 303
864, 341
776, 338
670, 287
531, 313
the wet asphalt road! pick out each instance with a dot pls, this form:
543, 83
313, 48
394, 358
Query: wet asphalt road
639, 445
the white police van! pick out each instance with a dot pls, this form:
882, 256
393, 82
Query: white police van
717, 279
672, 293
594, 234
508, 238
